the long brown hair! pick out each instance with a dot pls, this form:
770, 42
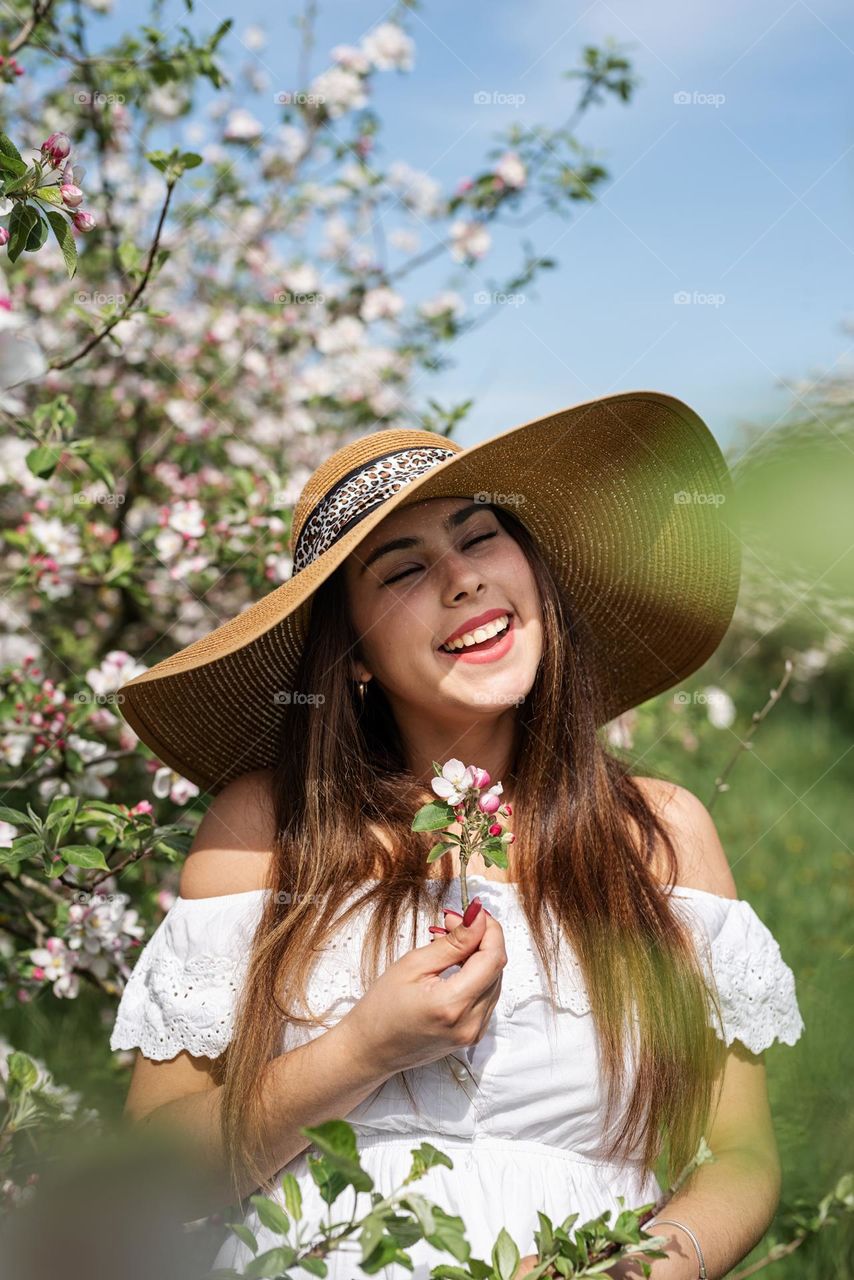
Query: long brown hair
586, 840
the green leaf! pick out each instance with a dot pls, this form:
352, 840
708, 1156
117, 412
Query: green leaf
22, 219
43, 460
8, 148
14, 816
272, 1263
38, 234
190, 160
11, 165
84, 855
130, 256
65, 239
315, 1266
271, 1215
437, 851
243, 1233
27, 846
432, 817
55, 869
425, 1157
22, 1070
293, 1195
505, 1256
50, 194
97, 463
336, 1139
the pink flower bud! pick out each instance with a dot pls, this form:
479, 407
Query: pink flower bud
489, 803
56, 147
495, 829
507, 810
38, 973
4, 239
481, 778
72, 196
83, 221
509, 837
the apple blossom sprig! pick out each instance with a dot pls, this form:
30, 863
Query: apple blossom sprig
45, 194
468, 796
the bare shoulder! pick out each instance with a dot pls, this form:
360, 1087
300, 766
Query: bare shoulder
701, 857
233, 847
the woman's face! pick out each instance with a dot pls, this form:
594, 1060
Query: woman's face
407, 600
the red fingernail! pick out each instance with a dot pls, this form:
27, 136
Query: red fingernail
471, 910
436, 928
449, 911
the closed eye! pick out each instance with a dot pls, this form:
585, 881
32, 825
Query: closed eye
398, 577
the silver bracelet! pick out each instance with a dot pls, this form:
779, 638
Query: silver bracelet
673, 1223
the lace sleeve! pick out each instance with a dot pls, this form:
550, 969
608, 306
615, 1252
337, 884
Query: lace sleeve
755, 986
183, 989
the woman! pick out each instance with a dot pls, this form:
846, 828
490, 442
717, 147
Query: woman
315, 717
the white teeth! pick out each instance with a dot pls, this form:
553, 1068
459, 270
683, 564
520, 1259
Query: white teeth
479, 634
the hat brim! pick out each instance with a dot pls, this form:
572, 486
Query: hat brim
629, 499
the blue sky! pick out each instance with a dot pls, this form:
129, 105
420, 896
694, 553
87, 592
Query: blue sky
748, 201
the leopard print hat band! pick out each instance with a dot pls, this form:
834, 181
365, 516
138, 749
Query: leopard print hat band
359, 493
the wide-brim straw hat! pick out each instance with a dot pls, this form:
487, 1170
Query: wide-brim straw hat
628, 497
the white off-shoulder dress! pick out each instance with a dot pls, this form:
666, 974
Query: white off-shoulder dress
525, 1133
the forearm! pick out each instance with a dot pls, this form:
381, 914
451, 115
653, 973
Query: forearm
322, 1080
728, 1204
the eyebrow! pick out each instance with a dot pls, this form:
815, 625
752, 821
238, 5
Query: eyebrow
397, 544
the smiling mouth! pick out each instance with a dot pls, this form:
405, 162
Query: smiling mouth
476, 646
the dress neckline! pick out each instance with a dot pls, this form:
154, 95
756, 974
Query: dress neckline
678, 889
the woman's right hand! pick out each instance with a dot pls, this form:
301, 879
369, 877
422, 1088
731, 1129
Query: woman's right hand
412, 1016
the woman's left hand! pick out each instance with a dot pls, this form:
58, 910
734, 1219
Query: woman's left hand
526, 1264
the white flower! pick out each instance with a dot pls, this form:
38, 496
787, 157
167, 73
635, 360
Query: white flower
511, 170
339, 90
719, 706
8, 833
348, 56
13, 748
469, 240
188, 517
455, 782
169, 783
116, 669
381, 304
167, 101
186, 414
345, 334
441, 304
389, 48
59, 539
241, 126
292, 143
419, 192
405, 241
254, 38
